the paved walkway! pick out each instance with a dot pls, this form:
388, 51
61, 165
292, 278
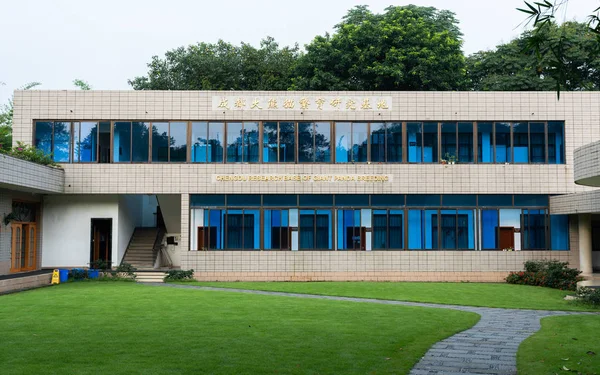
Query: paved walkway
489, 347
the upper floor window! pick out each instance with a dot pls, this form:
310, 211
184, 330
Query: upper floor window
302, 142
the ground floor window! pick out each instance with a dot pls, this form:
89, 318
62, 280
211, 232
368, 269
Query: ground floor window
375, 222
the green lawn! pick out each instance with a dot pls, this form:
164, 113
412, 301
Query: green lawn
470, 294
126, 328
562, 341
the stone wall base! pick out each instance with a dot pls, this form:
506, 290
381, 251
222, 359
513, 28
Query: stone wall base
23, 283
491, 277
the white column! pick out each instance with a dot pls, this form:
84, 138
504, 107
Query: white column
585, 243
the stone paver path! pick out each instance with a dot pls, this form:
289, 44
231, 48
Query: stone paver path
489, 347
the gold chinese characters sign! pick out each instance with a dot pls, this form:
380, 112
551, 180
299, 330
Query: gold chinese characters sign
301, 103
305, 178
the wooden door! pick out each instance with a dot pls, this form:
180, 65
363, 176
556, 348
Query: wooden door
23, 247
506, 237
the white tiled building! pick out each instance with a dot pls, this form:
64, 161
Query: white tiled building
306, 185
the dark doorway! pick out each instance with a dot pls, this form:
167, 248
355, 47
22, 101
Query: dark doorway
101, 243
506, 237
596, 232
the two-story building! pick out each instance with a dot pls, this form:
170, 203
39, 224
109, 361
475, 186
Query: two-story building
242, 185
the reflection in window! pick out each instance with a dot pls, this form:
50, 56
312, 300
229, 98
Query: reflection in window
43, 136
351, 142
465, 142
242, 142
122, 142
556, 144
207, 142
537, 140
140, 141
448, 140
521, 142
314, 142
503, 145
85, 142
485, 135
351, 235
61, 149
177, 141
393, 142
422, 142
160, 141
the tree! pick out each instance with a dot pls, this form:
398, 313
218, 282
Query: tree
221, 66
6, 119
405, 48
520, 66
82, 85
543, 16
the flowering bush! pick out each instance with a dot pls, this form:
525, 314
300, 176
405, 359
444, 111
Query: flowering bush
589, 296
29, 153
548, 273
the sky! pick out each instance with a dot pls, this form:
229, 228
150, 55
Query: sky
108, 42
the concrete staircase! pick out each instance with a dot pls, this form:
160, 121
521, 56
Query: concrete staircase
140, 252
150, 277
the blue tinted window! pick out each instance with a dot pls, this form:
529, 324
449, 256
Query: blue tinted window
216, 140
85, 138
160, 142
343, 141
122, 142
280, 200
393, 142
388, 229
503, 143
495, 200
524, 200
235, 143
423, 200
287, 140
359, 142
177, 142
377, 139
430, 143
559, 232
316, 200
306, 152
534, 229
489, 229
43, 136
322, 142
140, 141
207, 200
422, 229
351, 200
459, 200
537, 142
348, 230
387, 200
521, 142
485, 136
213, 231
62, 142
276, 230
465, 142
251, 147
315, 230
270, 142
199, 142
414, 142
241, 200
556, 143
242, 229
448, 140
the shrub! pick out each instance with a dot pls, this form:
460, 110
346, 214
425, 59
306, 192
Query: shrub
124, 271
78, 274
180, 275
27, 152
100, 264
548, 273
589, 296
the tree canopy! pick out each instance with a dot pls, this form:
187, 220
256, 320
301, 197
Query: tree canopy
221, 66
524, 65
403, 48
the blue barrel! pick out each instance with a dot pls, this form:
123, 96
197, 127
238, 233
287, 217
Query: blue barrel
64, 275
93, 274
